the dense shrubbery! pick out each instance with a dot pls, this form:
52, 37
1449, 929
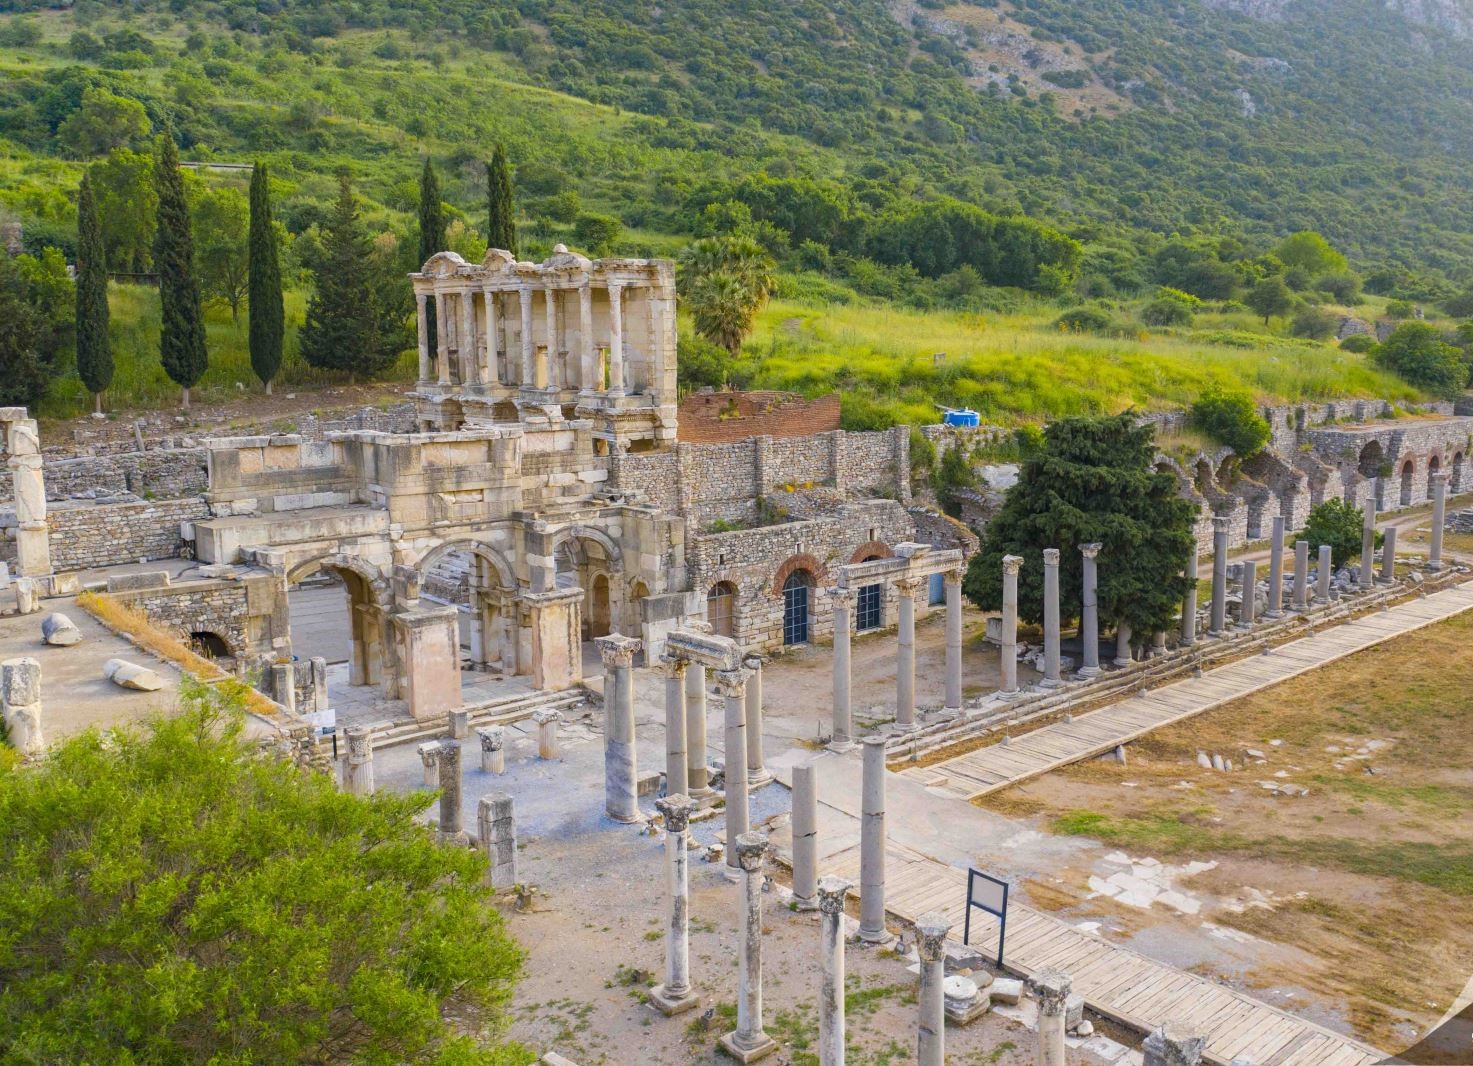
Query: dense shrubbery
1231, 419
1418, 352
1338, 524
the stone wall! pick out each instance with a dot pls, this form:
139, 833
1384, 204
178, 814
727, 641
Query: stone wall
167, 474
248, 613
755, 561
84, 536
729, 417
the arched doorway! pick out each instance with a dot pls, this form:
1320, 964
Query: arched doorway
1434, 464
1455, 478
210, 646
596, 620
721, 608
317, 592
479, 583
797, 596
1408, 471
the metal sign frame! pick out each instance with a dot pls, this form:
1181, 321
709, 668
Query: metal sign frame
1001, 914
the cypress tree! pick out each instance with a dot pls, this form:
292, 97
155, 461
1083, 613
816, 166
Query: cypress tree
182, 339
267, 316
431, 236
501, 217
340, 332
94, 349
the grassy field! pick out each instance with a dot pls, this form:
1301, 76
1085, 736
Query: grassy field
1370, 874
1017, 367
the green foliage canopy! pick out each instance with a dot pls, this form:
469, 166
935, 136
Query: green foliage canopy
182, 337
1417, 352
1230, 418
1338, 524
1092, 482
267, 313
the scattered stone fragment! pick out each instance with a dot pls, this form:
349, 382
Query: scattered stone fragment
59, 630
1007, 990
1084, 1029
130, 675
1203, 761
1254, 753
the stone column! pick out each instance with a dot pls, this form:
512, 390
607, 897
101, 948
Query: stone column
460, 724
524, 294
872, 842
616, 338
749, 1042
1051, 677
805, 836
539, 368
1189, 602
469, 361
587, 353
490, 367
1219, 575
1173, 1044
1158, 644
1009, 645
676, 994
952, 579
357, 761
1123, 656
931, 930
429, 756
442, 340
905, 653
1439, 517
621, 800
831, 894
677, 773
1388, 555
496, 827
757, 773
549, 297
733, 686
1089, 615
20, 703
1322, 593
448, 757
698, 777
493, 749
843, 604
1275, 607
1052, 988
547, 742
420, 299
1368, 548
28, 489
1249, 591
1301, 575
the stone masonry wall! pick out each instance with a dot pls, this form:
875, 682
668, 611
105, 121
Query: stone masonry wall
89, 536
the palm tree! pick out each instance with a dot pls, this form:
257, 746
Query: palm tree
723, 307
739, 256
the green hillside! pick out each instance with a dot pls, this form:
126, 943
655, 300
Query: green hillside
995, 163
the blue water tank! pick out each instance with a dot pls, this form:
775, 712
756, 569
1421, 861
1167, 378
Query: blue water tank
964, 417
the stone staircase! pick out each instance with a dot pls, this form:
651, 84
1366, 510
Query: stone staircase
502, 711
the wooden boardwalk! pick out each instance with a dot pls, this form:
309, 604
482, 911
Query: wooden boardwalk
997, 766
1115, 981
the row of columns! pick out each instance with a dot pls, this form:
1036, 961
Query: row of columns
479, 350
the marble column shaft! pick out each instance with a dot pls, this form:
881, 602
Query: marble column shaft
1008, 650
493, 748
421, 313
1301, 575
931, 929
675, 994
677, 769
1051, 617
1275, 607
587, 354
843, 730
442, 341
358, 761
1388, 555
1249, 591
448, 757
496, 827
805, 835
831, 894
469, 360
1326, 569
1123, 654
20, 704
1089, 614
756, 768
1368, 548
750, 1037
621, 771
952, 582
1219, 575
524, 295
1051, 987
490, 372
905, 653
872, 842
698, 776
733, 685
549, 297
616, 338
1439, 517
1189, 602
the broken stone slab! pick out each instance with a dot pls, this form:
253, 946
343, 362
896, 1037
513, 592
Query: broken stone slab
1008, 990
1073, 1011
132, 676
149, 579
59, 630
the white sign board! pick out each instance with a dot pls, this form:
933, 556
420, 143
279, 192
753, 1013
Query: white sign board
322, 721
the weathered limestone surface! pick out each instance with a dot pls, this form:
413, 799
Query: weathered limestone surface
931, 930
675, 995
805, 836
1173, 1044
750, 1042
59, 630
832, 892
493, 748
130, 675
1052, 988
496, 828
872, 841
357, 761
20, 702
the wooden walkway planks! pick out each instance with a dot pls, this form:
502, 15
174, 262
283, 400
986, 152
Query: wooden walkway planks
993, 768
1115, 981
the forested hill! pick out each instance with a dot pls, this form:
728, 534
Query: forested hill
1241, 118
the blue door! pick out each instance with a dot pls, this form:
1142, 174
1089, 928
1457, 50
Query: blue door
795, 607
871, 607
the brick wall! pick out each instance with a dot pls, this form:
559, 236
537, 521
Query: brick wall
729, 417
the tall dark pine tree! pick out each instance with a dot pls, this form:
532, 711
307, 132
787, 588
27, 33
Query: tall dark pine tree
182, 339
341, 330
501, 216
267, 324
431, 237
94, 350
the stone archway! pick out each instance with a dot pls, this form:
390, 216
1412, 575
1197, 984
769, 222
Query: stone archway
1434, 465
1408, 473
369, 654
587, 558
480, 583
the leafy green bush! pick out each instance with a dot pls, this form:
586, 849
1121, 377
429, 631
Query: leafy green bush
1400, 310
1358, 342
1231, 419
1417, 352
1084, 320
1338, 524
1314, 323
1166, 312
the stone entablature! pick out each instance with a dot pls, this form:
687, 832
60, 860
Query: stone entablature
570, 334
